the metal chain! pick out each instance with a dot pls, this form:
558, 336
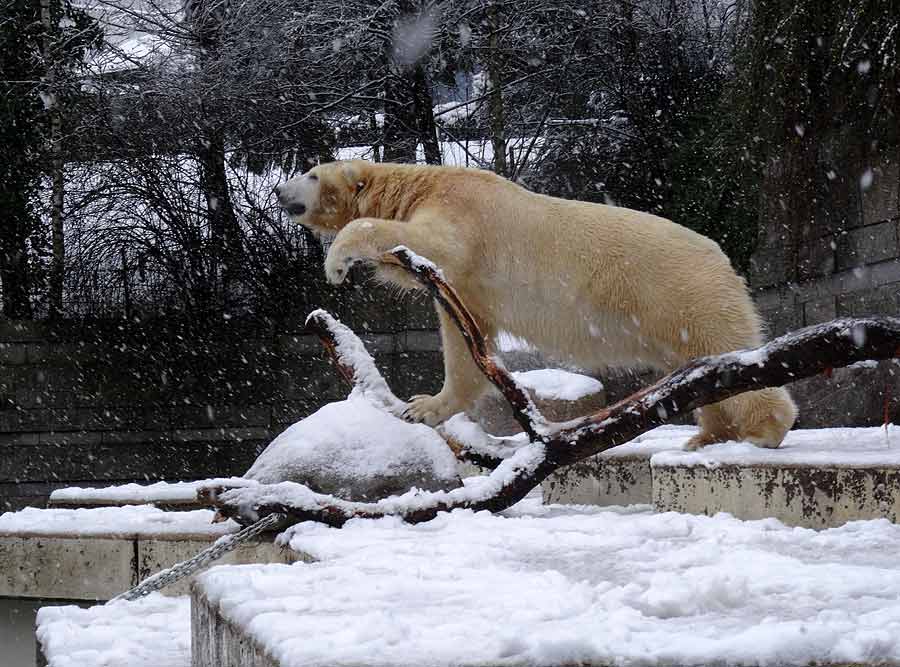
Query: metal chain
212, 553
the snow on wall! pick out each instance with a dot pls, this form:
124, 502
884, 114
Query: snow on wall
126, 522
152, 632
139, 494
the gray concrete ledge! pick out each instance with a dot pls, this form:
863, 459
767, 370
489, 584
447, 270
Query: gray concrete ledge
806, 496
798, 484
99, 568
217, 643
623, 480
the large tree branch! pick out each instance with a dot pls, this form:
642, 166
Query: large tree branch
797, 355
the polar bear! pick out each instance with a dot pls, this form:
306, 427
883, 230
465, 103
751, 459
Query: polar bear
601, 286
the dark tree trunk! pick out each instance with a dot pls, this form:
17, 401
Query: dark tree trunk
400, 134
224, 231
495, 97
424, 110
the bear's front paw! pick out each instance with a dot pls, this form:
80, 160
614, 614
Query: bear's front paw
431, 410
337, 267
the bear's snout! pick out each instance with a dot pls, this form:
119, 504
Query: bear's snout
297, 195
287, 203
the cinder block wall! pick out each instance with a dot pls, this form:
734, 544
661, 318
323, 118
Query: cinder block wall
109, 402
847, 263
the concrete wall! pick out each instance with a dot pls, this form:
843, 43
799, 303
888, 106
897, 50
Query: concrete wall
844, 260
110, 402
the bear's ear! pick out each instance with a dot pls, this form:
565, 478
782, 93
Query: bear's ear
353, 174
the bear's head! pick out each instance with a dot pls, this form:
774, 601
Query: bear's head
326, 197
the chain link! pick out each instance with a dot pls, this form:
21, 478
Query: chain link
212, 553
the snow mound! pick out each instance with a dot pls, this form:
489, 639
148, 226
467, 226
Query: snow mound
553, 384
552, 585
151, 632
356, 451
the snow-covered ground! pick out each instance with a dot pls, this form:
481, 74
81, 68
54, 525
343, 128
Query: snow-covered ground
539, 585
549, 585
152, 632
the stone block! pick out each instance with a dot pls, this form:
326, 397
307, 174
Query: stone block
798, 495
421, 314
817, 258
13, 354
867, 245
410, 373
218, 416
250, 433
745, 492
378, 343
215, 642
770, 264
852, 396
881, 200
867, 494
602, 481
883, 300
838, 207
819, 310
419, 341
13, 331
66, 568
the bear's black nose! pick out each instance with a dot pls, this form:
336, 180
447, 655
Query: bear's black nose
295, 209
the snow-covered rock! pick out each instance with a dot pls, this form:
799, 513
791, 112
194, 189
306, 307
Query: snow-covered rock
354, 450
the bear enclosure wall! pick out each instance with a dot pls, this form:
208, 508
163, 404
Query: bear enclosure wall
92, 404
829, 246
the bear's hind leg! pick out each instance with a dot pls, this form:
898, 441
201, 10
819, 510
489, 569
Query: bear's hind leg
715, 426
761, 417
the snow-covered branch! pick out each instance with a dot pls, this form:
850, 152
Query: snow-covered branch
797, 355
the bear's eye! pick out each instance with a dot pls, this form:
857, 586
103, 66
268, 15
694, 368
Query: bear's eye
359, 187
313, 177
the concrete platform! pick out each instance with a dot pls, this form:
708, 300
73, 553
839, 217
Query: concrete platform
95, 554
818, 479
619, 476
216, 642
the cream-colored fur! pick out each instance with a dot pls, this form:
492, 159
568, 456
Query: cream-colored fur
600, 285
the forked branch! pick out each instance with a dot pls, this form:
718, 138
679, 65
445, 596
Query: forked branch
797, 355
